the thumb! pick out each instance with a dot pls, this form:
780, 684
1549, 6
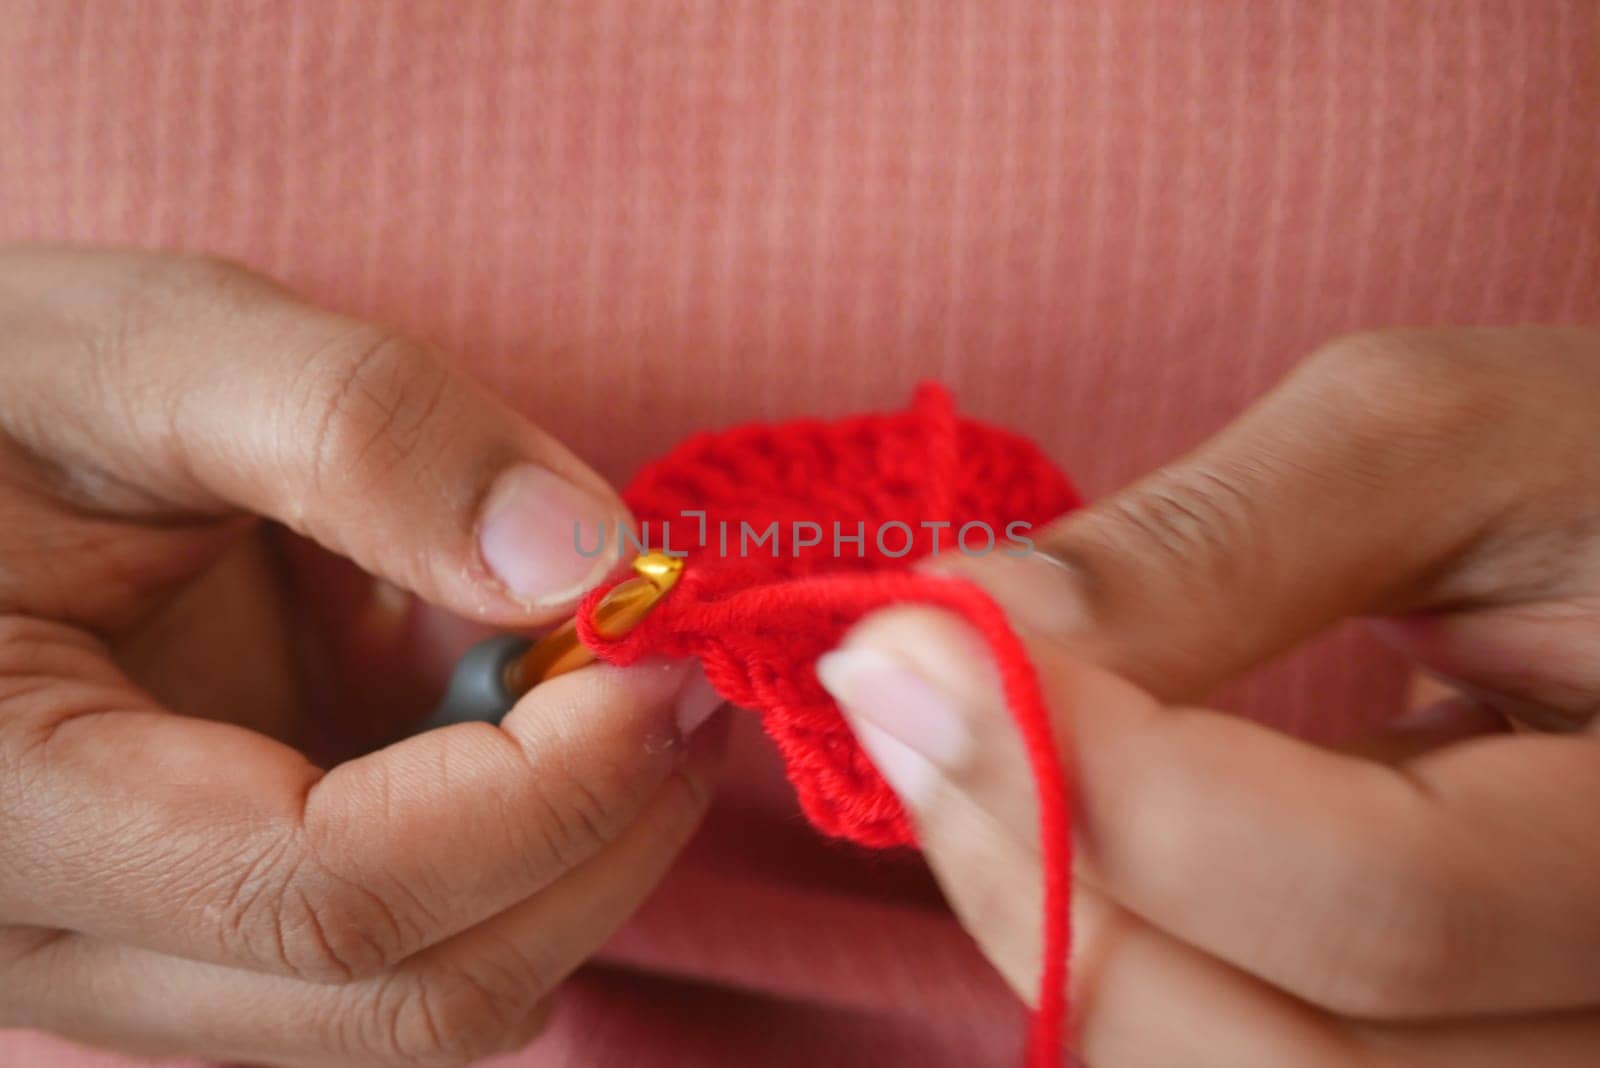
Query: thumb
1382, 477
217, 391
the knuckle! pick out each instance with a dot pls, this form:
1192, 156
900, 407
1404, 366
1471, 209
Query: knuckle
149, 304
577, 806
33, 648
212, 277
579, 814
680, 805
1195, 519
369, 400
1377, 362
338, 935
50, 674
450, 1016
1179, 535
1411, 393
288, 912
164, 292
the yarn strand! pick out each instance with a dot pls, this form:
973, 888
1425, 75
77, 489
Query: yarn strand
758, 624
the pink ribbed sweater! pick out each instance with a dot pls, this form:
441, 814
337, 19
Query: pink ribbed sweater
1108, 224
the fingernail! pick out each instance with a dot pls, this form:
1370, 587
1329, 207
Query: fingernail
1429, 718
1040, 592
909, 728
1448, 718
696, 701
534, 522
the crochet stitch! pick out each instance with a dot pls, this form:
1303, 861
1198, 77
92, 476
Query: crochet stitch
791, 533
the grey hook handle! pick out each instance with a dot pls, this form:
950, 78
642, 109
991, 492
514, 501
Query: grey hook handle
477, 691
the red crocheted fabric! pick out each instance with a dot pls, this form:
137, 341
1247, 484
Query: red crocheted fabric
757, 605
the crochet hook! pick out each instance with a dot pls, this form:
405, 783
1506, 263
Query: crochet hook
494, 674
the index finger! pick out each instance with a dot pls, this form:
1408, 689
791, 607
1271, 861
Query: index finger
1464, 881
206, 840
162, 389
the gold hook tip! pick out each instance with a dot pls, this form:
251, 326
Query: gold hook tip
618, 612
660, 569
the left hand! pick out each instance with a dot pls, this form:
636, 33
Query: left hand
174, 877
1243, 897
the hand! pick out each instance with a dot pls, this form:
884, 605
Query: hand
179, 883
1246, 898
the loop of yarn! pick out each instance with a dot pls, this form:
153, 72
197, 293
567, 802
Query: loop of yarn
758, 613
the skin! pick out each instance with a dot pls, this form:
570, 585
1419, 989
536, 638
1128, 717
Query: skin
1244, 898
173, 876
1429, 898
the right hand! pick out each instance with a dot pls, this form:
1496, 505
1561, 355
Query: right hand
179, 883
1242, 897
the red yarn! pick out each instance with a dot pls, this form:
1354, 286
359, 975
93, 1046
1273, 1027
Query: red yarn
758, 622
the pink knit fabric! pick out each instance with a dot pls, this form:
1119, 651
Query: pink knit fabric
1107, 224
